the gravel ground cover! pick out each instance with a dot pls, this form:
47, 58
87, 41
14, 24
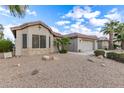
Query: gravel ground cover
67, 71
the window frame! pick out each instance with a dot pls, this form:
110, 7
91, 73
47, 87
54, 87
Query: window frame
33, 41
41, 41
24, 45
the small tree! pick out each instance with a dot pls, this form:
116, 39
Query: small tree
62, 44
6, 45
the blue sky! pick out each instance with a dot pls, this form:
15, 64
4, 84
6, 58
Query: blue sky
65, 19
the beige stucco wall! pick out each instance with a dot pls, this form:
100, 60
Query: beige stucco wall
102, 44
33, 30
73, 45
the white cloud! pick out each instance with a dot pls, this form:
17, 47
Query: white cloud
31, 12
97, 22
87, 8
92, 14
79, 28
114, 10
66, 27
8, 33
80, 20
61, 23
4, 12
78, 12
113, 15
55, 29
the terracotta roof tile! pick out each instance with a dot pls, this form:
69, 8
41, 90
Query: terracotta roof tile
78, 35
35, 23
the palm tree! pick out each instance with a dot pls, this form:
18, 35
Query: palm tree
1, 31
17, 10
119, 34
109, 28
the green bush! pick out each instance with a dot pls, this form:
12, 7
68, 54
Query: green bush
99, 52
63, 51
112, 55
116, 46
5, 45
116, 56
121, 57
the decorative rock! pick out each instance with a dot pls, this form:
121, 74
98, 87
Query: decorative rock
54, 58
34, 72
100, 57
90, 60
45, 57
18, 65
103, 65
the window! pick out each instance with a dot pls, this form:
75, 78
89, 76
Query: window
35, 41
49, 42
38, 41
42, 41
24, 37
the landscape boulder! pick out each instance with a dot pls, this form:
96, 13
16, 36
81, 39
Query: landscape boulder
90, 60
100, 57
45, 57
103, 65
34, 72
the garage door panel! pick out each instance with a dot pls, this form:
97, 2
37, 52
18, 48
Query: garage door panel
86, 45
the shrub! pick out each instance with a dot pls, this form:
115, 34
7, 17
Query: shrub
5, 45
62, 44
112, 55
63, 51
116, 46
116, 56
121, 57
99, 52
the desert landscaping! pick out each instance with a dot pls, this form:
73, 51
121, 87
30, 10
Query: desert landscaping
65, 70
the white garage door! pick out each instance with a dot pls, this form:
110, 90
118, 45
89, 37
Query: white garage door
86, 45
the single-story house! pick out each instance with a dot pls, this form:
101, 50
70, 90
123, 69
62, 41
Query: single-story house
103, 43
34, 38
38, 38
82, 43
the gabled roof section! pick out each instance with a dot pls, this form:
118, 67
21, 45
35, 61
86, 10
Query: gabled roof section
35, 23
78, 35
103, 38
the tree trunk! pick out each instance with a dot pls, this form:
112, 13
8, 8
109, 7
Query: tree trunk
122, 44
111, 41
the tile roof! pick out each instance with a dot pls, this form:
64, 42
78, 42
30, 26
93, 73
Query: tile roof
78, 35
35, 23
103, 38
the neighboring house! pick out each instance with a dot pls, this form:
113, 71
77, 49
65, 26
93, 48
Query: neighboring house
82, 43
34, 38
103, 43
